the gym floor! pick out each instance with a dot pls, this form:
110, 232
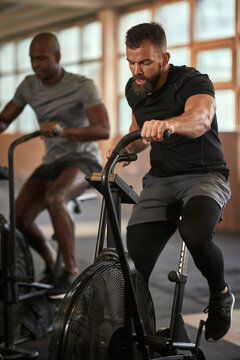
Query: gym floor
196, 293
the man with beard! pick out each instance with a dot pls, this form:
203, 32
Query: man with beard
188, 176
59, 98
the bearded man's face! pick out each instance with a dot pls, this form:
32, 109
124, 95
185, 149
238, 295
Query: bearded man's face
146, 64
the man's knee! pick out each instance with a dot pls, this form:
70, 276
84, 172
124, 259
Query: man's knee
53, 200
23, 220
196, 235
199, 220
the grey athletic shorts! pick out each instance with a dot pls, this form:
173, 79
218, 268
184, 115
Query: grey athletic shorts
54, 170
158, 199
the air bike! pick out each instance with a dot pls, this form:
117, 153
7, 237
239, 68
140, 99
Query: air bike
26, 312
108, 312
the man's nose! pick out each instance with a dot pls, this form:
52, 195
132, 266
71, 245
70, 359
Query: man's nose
137, 69
35, 63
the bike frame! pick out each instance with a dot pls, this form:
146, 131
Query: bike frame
177, 328
10, 284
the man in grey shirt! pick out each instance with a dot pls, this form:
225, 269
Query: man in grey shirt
72, 102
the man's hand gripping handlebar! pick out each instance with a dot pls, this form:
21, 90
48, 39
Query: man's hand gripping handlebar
51, 129
126, 155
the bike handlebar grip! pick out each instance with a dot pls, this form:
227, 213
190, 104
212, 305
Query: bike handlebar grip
57, 131
167, 133
128, 157
132, 157
132, 136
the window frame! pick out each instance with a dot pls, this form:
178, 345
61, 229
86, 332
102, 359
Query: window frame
195, 46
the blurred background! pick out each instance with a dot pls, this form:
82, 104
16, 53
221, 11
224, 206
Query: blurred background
201, 33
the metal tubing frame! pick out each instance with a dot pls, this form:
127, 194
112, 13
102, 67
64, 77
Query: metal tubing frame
10, 295
12, 195
140, 332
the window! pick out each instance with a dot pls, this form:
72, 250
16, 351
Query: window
125, 114
225, 101
180, 56
80, 55
92, 41
7, 83
214, 19
175, 19
7, 56
129, 20
7, 89
83, 53
216, 63
70, 50
124, 74
23, 55
93, 70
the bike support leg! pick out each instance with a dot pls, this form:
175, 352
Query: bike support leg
10, 351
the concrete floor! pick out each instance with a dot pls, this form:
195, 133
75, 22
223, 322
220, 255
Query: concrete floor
196, 294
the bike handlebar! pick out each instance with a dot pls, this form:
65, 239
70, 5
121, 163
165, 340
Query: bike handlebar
116, 153
127, 139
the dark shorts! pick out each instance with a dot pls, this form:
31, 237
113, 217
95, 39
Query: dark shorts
54, 170
160, 195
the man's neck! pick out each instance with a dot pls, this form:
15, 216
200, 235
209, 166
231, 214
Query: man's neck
163, 77
55, 79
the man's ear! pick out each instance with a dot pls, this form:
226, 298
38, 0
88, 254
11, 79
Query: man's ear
166, 58
58, 56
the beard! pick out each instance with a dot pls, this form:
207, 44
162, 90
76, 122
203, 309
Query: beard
148, 86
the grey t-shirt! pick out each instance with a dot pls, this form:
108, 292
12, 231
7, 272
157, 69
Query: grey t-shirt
64, 103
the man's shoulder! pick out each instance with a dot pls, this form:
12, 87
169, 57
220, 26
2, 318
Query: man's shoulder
188, 81
189, 76
28, 84
183, 71
30, 79
82, 87
76, 78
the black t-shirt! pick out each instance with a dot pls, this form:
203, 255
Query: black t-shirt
179, 154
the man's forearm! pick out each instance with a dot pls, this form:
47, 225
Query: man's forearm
90, 133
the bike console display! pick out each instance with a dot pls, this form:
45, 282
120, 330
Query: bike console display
126, 192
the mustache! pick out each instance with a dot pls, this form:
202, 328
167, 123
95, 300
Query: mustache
139, 77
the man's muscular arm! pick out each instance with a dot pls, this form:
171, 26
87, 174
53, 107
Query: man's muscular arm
193, 122
98, 128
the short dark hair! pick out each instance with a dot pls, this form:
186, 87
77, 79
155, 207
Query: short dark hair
49, 37
152, 31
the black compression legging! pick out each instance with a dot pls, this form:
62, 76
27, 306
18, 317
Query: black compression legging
200, 217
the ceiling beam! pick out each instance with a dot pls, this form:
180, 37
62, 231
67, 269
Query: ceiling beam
16, 12
122, 3
35, 21
74, 4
